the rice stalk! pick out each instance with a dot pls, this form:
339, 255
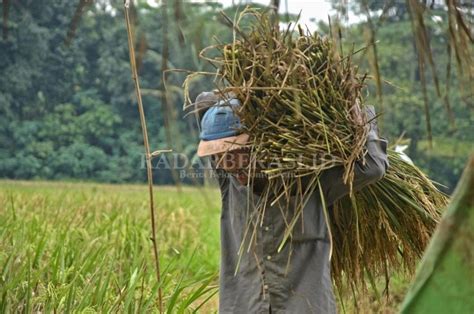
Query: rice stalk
148, 153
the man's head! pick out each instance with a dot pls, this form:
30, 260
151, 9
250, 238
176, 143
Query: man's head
221, 139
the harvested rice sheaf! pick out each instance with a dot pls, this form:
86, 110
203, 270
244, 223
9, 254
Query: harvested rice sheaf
384, 228
299, 98
302, 98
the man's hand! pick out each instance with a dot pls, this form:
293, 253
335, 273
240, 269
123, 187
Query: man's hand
205, 100
356, 113
366, 117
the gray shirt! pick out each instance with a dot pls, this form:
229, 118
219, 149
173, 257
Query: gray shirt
263, 280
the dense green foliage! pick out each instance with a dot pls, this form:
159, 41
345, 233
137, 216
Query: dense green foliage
68, 112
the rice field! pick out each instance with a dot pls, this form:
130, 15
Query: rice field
84, 247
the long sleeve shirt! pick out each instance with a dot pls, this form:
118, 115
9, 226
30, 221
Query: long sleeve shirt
263, 281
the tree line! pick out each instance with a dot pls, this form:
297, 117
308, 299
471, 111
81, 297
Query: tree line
67, 108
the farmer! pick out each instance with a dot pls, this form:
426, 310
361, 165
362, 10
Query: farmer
267, 281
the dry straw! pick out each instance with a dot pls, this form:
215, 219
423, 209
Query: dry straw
149, 155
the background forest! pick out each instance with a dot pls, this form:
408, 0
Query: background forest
68, 112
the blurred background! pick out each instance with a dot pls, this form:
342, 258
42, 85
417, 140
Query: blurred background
68, 109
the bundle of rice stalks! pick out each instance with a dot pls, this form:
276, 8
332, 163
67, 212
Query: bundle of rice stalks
293, 85
301, 101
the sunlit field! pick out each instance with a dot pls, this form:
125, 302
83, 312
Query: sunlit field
85, 248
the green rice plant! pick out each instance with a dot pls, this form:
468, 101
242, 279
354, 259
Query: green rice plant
83, 248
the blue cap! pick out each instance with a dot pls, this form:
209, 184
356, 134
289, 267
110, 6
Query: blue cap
220, 121
220, 129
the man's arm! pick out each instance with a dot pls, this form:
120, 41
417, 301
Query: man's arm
376, 164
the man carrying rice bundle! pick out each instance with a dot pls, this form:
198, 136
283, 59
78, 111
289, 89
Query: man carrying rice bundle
298, 278
308, 199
